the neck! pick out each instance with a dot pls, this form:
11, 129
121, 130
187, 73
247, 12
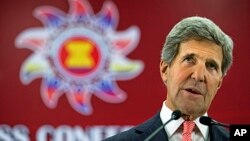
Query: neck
186, 117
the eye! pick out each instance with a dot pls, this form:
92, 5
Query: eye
212, 65
189, 59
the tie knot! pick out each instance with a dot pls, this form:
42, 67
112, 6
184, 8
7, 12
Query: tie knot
188, 127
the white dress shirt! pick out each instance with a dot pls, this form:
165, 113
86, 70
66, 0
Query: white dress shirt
174, 128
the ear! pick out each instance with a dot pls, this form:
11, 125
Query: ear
164, 70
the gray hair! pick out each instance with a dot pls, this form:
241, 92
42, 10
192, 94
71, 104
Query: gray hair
197, 28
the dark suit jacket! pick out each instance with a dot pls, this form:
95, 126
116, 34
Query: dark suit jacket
141, 132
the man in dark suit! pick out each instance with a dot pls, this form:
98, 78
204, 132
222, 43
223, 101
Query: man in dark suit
194, 60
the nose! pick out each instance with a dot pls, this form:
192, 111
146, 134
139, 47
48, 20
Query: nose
199, 73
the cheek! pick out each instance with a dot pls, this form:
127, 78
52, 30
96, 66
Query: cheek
212, 90
209, 99
180, 76
177, 77
175, 82
214, 84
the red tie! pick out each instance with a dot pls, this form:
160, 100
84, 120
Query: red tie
188, 127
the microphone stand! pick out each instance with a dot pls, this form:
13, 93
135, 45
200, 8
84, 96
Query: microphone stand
156, 131
175, 115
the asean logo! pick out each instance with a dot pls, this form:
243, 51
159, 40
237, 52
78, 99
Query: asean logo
79, 54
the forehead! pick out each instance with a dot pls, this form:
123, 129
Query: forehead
202, 49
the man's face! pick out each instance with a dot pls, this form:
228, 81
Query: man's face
193, 77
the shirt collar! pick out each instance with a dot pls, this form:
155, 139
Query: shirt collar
171, 127
203, 128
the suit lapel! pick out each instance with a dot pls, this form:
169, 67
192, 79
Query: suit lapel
218, 133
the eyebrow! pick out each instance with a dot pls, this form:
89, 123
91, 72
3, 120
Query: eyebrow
188, 55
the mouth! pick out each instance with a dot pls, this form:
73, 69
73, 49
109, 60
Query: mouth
194, 91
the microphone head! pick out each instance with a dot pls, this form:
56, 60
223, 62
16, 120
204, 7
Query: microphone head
206, 120
176, 114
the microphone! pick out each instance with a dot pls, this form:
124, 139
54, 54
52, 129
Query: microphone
175, 115
209, 122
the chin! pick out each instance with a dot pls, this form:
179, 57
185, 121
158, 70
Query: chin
192, 111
